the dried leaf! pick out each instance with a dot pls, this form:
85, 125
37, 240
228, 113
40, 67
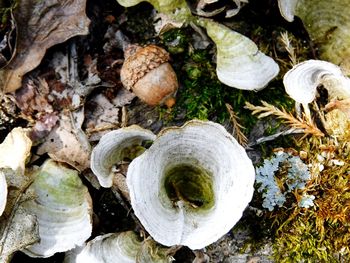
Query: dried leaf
41, 25
18, 228
67, 142
15, 150
17, 233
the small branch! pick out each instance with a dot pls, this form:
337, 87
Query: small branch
304, 125
289, 48
237, 128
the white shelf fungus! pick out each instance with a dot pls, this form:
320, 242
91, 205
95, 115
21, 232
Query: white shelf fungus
123, 247
302, 80
327, 23
192, 185
240, 64
63, 208
116, 146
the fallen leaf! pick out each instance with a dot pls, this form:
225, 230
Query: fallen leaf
67, 142
18, 228
15, 150
18, 232
41, 25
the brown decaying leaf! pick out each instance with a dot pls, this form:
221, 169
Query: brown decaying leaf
68, 143
237, 128
307, 126
41, 25
18, 228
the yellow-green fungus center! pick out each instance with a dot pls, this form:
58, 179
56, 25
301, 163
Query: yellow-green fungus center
191, 184
131, 152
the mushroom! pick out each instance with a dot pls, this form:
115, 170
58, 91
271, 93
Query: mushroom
192, 185
287, 9
114, 147
240, 64
63, 208
327, 23
147, 73
302, 80
301, 84
126, 247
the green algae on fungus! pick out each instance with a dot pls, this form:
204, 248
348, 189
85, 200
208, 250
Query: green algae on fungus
327, 23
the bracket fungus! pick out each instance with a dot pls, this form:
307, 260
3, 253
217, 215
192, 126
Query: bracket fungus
63, 208
240, 64
127, 247
3, 192
302, 80
327, 23
192, 185
147, 73
114, 147
301, 83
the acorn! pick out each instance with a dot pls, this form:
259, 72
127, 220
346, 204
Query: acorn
147, 73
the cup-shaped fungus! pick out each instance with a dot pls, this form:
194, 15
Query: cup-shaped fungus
192, 185
114, 147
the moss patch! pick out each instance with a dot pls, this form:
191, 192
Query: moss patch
190, 184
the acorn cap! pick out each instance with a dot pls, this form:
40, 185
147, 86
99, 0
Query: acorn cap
139, 61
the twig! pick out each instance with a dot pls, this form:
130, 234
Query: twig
307, 126
289, 48
237, 128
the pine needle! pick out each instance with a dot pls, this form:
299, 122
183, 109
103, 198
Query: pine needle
308, 127
289, 48
237, 128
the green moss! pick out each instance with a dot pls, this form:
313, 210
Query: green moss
6, 8
190, 184
321, 233
132, 152
176, 40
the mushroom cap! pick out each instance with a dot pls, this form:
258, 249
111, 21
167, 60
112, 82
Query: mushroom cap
240, 64
113, 148
302, 80
287, 9
109, 247
63, 208
204, 158
328, 25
